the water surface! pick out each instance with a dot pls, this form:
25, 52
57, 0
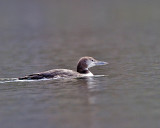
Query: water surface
41, 35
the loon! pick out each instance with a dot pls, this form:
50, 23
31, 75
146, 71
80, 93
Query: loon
83, 65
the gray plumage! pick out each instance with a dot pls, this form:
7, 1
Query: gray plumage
55, 73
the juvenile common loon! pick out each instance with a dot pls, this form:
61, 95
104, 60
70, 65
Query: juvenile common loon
82, 70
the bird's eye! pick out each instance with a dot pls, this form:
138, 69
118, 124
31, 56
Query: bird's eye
91, 60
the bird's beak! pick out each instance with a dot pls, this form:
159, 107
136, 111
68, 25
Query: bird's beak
100, 63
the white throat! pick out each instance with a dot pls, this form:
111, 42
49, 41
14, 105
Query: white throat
88, 74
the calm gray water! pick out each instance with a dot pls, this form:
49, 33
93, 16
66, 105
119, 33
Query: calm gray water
39, 35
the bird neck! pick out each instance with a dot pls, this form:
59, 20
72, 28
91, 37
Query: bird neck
81, 69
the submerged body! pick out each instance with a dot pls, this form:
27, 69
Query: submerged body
82, 70
55, 73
